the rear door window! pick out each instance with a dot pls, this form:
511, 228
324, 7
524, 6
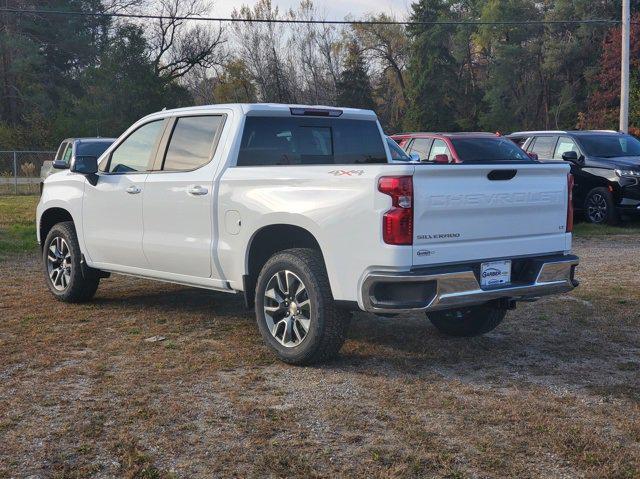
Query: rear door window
192, 142
268, 141
439, 148
421, 146
544, 146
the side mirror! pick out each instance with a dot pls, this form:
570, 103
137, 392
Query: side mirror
573, 157
441, 159
59, 165
87, 166
414, 157
533, 156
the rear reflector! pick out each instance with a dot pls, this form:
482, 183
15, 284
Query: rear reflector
569, 228
315, 112
397, 223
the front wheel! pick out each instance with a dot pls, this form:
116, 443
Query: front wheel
62, 261
600, 207
467, 322
295, 311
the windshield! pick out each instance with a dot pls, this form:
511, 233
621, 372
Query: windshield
609, 146
92, 149
488, 149
397, 153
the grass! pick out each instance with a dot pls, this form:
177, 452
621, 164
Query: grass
587, 229
17, 224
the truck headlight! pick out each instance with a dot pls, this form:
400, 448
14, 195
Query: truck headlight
632, 173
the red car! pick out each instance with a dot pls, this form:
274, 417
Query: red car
460, 147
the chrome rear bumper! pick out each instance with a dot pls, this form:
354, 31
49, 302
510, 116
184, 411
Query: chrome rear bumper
453, 287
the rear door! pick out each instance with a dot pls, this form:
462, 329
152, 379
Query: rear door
469, 212
179, 198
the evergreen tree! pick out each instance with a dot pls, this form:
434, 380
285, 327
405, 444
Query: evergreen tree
432, 70
354, 88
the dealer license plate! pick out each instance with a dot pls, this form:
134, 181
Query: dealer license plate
495, 273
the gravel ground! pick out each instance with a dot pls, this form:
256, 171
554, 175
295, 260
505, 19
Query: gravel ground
553, 392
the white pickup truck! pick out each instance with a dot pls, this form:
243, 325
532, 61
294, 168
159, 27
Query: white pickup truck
302, 210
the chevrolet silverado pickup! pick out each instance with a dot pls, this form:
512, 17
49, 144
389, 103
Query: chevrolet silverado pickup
303, 211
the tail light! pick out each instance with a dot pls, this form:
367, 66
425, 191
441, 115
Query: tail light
569, 228
397, 223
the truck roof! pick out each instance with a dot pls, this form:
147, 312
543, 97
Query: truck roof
273, 109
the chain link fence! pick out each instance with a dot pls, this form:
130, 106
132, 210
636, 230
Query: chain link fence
20, 171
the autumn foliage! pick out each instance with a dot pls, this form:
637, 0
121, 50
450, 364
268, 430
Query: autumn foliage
603, 107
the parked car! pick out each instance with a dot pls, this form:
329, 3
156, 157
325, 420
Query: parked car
300, 210
69, 149
605, 166
444, 148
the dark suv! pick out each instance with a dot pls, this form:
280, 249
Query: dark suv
605, 166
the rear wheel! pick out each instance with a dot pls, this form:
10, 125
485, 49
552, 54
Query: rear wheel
600, 207
295, 311
467, 322
62, 261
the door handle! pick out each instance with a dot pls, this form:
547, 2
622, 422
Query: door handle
198, 190
134, 190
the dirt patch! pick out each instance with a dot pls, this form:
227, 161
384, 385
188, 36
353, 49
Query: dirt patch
553, 392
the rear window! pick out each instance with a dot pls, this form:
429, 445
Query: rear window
310, 141
472, 150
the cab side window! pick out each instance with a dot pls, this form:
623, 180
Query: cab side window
564, 144
439, 148
135, 153
421, 147
193, 142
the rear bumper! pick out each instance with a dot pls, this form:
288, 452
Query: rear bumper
457, 286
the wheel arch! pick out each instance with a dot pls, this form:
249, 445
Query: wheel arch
267, 241
49, 218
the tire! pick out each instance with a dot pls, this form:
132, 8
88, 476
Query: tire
467, 322
600, 207
61, 253
295, 310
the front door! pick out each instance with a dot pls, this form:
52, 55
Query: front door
112, 209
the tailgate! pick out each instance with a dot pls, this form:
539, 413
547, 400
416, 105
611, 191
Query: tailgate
478, 211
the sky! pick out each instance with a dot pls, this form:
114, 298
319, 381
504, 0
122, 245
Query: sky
332, 9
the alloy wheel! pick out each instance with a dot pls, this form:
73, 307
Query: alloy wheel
597, 208
59, 263
287, 308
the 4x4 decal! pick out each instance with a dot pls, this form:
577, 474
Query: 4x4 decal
346, 172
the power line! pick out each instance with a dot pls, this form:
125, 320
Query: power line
307, 21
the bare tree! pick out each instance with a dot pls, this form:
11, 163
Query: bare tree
388, 45
263, 48
178, 45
